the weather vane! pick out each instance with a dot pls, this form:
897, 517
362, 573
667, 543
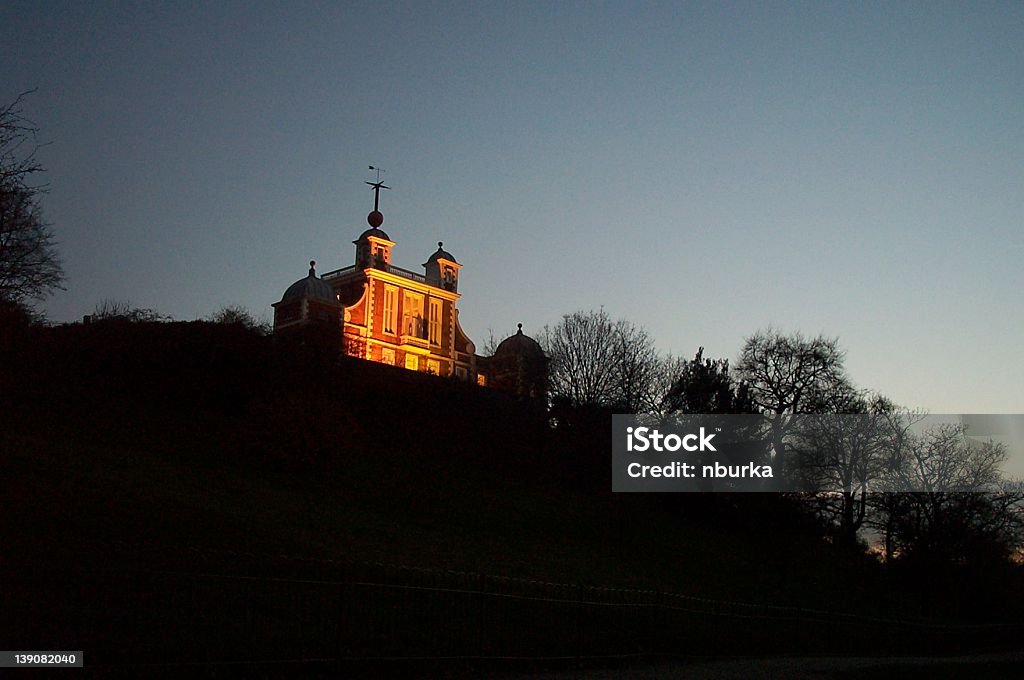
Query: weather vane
377, 186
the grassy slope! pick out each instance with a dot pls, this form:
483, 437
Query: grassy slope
173, 436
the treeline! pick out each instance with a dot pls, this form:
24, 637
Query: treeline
882, 478
854, 472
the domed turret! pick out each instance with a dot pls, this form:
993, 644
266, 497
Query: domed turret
440, 254
312, 288
520, 366
376, 233
521, 345
442, 270
308, 302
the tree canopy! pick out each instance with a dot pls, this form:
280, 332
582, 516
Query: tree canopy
30, 268
597, 362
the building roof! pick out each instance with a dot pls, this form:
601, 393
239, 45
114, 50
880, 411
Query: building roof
373, 231
440, 254
520, 344
312, 287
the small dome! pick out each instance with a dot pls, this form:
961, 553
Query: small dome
312, 287
379, 233
440, 254
519, 344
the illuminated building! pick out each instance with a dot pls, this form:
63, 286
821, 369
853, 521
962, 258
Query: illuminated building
386, 313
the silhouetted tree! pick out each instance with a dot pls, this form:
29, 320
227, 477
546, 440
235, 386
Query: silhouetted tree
30, 268
16, 322
667, 370
703, 385
492, 341
788, 375
240, 316
957, 528
949, 502
843, 455
635, 366
597, 362
942, 459
110, 309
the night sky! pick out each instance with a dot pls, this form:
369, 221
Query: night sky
702, 169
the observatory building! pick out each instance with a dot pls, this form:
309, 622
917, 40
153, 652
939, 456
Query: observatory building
385, 313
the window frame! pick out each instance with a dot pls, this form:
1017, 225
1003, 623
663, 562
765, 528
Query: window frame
435, 312
390, 314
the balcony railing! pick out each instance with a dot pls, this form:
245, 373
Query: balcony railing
398, 271
404, 273
338, 272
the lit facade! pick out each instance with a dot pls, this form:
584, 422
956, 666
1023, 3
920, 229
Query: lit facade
386, 313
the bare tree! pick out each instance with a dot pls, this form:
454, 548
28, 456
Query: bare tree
30, 268
666, 374
942, 459
113, 309
635, 366
788, 375
240, 316
581, 356
949, 501
599, 362
842, 457
493, 340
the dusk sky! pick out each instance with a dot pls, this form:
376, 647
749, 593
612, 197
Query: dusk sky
702, 169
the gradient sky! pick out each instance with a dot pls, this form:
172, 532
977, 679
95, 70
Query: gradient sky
702, 169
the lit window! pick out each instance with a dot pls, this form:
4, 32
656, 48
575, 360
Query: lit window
387, 356
481, 379
412, 362
390, 309
435, 322
434, 366
412, 318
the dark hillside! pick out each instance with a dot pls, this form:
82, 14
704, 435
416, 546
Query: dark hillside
140, 455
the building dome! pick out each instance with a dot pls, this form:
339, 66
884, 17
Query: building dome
312, 287
373, 231
521, 345
440, 254
519, 366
